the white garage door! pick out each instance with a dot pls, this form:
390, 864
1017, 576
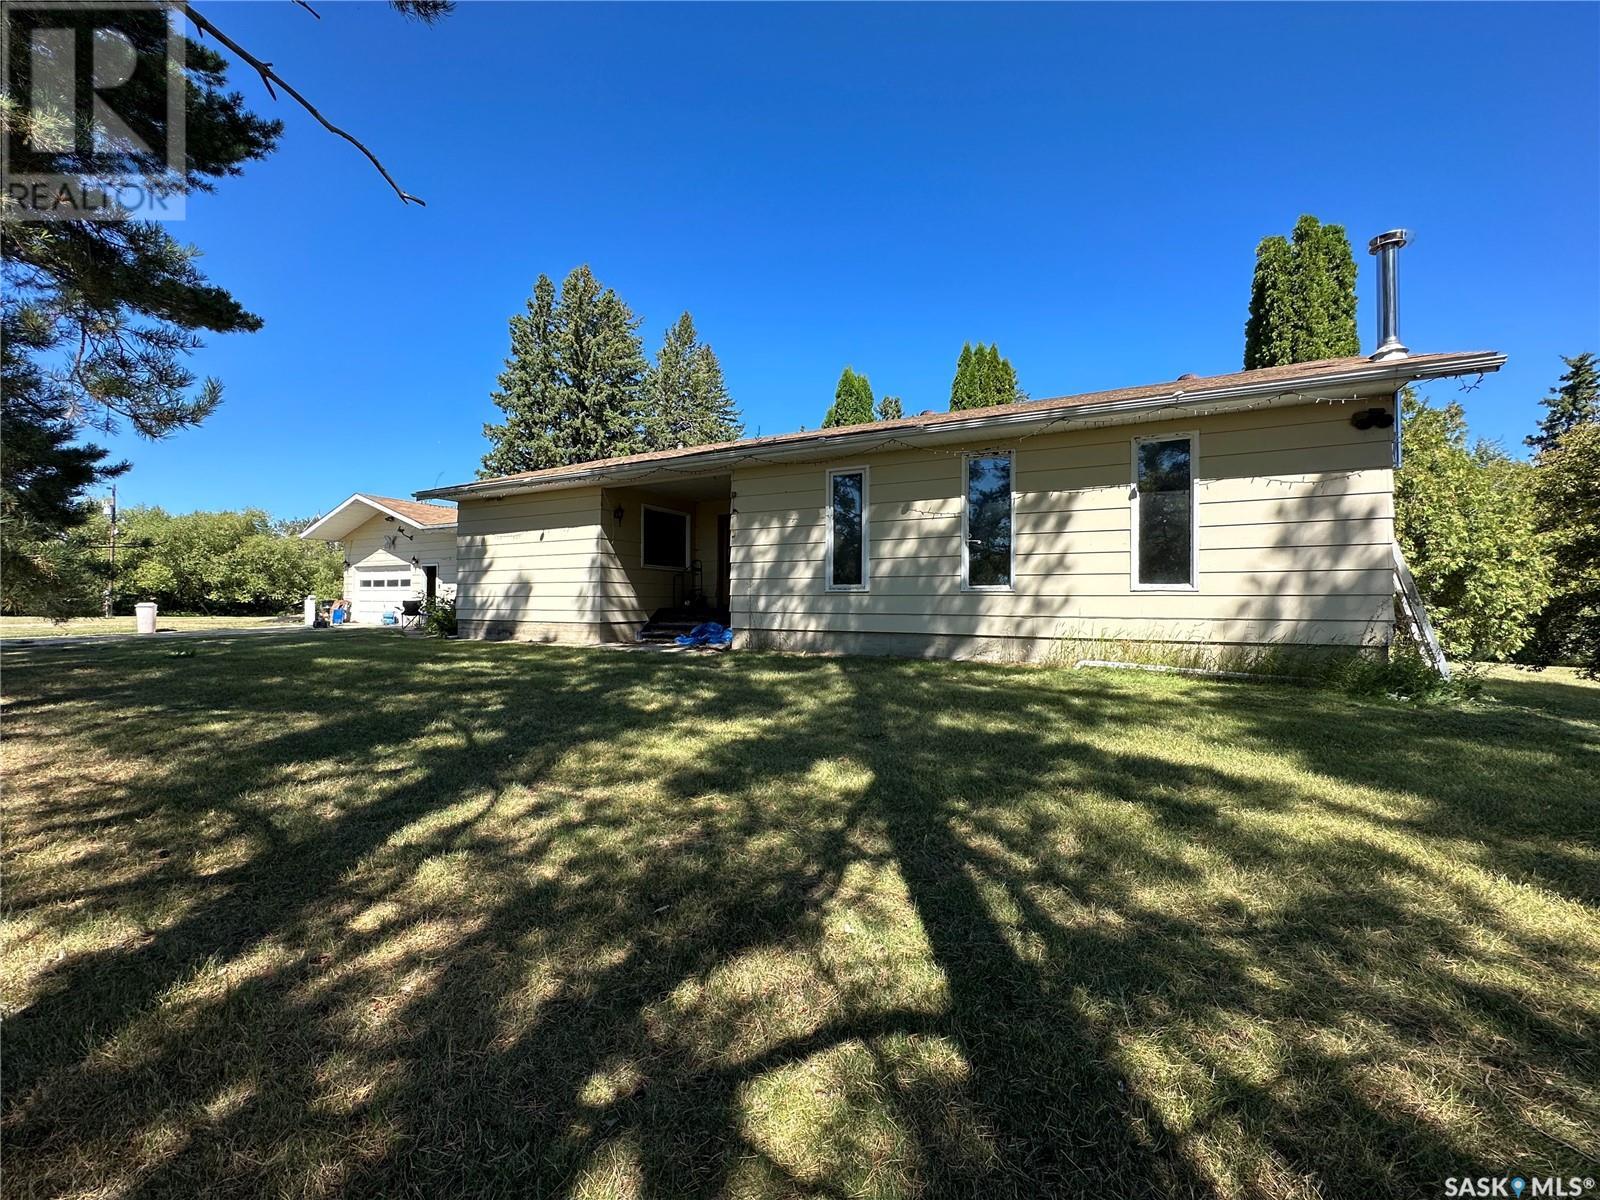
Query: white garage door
378, 592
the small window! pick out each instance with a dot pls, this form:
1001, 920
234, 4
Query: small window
666, 538
847, 530
987, 550
1163, 512
364, 583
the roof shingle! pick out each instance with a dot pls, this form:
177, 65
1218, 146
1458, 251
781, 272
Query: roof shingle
416, 510
1176, 388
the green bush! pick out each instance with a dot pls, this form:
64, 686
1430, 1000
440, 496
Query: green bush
1567, 488
439, 616
213, 562
1465, 517
1403, 675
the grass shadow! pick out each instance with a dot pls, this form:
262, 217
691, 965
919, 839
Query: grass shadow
417, 918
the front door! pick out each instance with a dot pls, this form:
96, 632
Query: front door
430, 581
724, 559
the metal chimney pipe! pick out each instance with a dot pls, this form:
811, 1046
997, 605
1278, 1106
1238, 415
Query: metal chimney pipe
1387, 247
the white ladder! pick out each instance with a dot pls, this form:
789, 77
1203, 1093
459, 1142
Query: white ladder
1416, 614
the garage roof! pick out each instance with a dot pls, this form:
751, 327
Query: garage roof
363, 506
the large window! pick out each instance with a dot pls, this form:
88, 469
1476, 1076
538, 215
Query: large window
666, 538
987, 549
847, 530
1163, 512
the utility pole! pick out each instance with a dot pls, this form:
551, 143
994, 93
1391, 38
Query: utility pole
110, 509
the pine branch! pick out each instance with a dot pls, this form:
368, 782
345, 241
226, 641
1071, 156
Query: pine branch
269, 77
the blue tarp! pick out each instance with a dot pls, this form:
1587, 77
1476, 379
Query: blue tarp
707, 633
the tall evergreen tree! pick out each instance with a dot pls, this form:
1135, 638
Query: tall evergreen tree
1302, 298
964, 387
572, 389
890, 409
687, 401
1573, 401
99, 316
44, 475
720, 419
1001, 378
852, 401
983, 378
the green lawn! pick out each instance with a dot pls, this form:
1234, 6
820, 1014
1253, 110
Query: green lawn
42, 627
318, 916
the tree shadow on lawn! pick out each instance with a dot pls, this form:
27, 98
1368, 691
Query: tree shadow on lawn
1511, 790
501, 920
1549, 691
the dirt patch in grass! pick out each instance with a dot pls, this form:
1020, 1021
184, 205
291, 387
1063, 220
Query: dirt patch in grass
398, 917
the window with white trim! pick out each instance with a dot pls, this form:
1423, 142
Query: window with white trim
1164, 512
664, 538
987, 545
847, 530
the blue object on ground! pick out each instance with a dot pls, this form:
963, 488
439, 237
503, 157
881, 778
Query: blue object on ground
707, 633
338, 616
390, 619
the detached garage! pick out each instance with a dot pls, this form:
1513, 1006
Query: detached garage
394, 550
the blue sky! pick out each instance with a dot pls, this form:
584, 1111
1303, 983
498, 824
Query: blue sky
872, 185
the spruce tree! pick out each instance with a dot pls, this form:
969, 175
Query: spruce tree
719, 417
852, 401
687, 402
572, 388
1574, 401
1302, 298
890, 409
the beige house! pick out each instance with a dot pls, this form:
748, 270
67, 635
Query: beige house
394, 551
1254, 508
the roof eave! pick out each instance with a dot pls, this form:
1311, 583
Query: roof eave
310, 531
1374, 376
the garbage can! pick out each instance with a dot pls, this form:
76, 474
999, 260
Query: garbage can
144, 616
310, 611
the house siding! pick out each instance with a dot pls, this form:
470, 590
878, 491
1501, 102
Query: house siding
622, 550
365, 549
530, 568
1295, 523
558, 566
